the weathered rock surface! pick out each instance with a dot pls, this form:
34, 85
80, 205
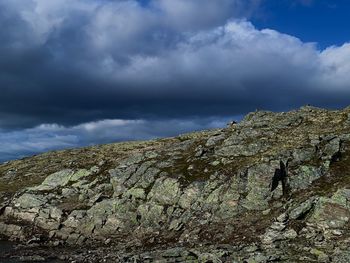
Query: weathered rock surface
200, 197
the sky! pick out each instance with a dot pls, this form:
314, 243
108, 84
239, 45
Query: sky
84, 72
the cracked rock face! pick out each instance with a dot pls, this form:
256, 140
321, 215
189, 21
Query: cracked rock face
204, 196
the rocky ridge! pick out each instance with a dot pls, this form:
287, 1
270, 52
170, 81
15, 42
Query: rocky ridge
199, 197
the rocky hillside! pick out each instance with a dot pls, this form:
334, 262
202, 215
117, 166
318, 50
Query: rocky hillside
272, 188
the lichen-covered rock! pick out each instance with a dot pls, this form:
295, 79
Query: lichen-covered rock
304, 177
229, 205
332, 212
258, 187
136, 193
151, 215
341, 256
27, 201
55, 180
302, 209
166, 191
189, 196
271, 188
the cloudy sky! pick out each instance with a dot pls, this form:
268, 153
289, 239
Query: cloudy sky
82, 72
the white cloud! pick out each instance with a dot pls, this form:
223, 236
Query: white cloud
196, 14
148, 47
335, 62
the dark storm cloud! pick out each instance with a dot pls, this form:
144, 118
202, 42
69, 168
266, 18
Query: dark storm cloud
71, 62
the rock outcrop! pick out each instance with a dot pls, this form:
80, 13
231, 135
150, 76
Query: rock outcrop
209, 196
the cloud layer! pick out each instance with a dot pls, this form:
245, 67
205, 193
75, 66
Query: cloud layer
46, 137
70, 62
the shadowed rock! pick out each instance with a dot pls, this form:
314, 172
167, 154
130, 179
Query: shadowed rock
280, 176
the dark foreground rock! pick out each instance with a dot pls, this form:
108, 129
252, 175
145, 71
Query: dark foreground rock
272, 188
